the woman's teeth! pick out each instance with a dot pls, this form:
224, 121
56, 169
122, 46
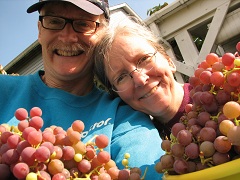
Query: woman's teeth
150, 93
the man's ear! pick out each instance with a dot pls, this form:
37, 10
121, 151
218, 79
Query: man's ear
39, 31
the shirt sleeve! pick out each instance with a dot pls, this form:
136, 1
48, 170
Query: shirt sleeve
134, 133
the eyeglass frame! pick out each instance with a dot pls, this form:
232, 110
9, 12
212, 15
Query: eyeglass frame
71, 21
136, 69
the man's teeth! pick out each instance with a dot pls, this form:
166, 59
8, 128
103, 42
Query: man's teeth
67, 53
150, 93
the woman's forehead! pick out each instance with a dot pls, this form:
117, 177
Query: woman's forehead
128, 47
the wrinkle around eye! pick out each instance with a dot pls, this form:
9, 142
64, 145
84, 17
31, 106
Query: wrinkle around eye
120, 78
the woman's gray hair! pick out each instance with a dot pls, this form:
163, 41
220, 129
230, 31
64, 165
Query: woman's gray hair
128, 27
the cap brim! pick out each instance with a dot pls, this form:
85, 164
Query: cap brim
83, 4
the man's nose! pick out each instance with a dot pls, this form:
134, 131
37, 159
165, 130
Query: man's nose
68, 34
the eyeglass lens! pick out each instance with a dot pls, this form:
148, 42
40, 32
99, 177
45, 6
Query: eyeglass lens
58, 23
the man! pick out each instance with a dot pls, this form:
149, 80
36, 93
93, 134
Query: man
65, 90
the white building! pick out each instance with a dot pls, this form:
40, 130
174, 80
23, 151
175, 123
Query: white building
214, 21
217, 22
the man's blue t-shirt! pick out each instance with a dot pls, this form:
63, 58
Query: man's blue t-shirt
129, 131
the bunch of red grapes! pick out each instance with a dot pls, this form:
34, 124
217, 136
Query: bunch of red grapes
208, 134
27, 152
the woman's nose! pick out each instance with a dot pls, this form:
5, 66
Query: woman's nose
139, 78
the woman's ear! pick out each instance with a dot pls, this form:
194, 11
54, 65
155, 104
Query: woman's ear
172, 65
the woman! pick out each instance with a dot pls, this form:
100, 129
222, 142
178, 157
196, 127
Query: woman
131, 63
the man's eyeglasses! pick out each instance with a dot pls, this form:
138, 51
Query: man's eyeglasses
79, 25
122, 82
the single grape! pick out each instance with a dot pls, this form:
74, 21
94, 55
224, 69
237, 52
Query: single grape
22, 125
203, 65
192, 151
167, 161
13, 141
231, 109
184, 137
203, 117
20, 170
68, 153
212, 124
101, 141
26, 132
27, 155
206, 97
211, 58
49, 145
32, 176
74, 137
228, 59
222, 97
218, 66
225, 125
90, 154
11, 156
113, 172
233, 135
36, 122
220, 158
200, 166
48, 136
238, 46
35, 111
191, 166
207, 148
66, 173
78, 126
42, 154
21, 114
123, 174
57, 153
135, 176
158, 167
43, 175
177, 150
207, 134
176, 128
222, 145
59, 176
194, 81
180, 166
95, 163
234, 79
55, 166
84, 166
205, 77
34, 137
104, 176
217, 78
79, 147
166, 145
5, 171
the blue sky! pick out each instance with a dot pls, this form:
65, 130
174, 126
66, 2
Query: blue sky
19, 29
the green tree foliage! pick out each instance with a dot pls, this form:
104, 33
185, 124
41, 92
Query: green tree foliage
156, 8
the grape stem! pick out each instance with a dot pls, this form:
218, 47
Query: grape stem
90, 142
205, 161
144, 175
236, 121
